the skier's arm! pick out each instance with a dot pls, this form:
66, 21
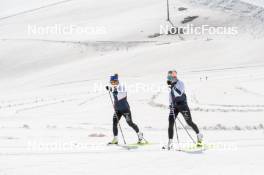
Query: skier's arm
122, 93
179, 89
170, 97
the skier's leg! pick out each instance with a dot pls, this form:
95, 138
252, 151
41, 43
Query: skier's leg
116, 119
185, 111
129, 120
172, 116
171, 124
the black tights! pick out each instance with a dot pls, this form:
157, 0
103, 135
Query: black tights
128, 117
185, 111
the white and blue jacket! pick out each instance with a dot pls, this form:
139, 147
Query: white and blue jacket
120, 98
177, 94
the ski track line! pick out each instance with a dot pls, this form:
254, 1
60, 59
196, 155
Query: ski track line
31, 103
71, 82
39, 100
60, 101
125, 44
39, 106
91, 99
154, 104
219, 127
200, 109
48, 104
196, 101
249, 92
241, 139
35, 9
226, 107
216, 127
243, 106
225, 68
97, 46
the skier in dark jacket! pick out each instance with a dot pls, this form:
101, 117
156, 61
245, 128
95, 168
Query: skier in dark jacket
122, 108
178, 104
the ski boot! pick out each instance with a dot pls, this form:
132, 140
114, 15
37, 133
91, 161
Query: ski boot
140, 138
170, 144
199, 140
114, 141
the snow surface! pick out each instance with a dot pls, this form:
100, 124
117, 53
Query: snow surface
55, 116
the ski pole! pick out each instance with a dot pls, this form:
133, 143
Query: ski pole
117, 118
181, 125
175, 125
186, 131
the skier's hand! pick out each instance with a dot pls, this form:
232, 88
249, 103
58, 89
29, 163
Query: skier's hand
108, 88
169, 82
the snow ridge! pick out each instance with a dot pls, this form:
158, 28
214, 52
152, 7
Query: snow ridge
246, 8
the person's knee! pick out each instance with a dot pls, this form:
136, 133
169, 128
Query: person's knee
171, 122
128, 118
130, 123
115, 121
186, 115
171, 119
189, 122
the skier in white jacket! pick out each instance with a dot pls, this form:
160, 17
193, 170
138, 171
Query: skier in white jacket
178, 104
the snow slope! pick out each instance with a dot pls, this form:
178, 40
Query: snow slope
55, 116
17, 7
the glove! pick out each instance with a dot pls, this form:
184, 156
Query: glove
108, 88
169, 82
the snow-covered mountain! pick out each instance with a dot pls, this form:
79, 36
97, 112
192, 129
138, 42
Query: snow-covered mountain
52, 86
